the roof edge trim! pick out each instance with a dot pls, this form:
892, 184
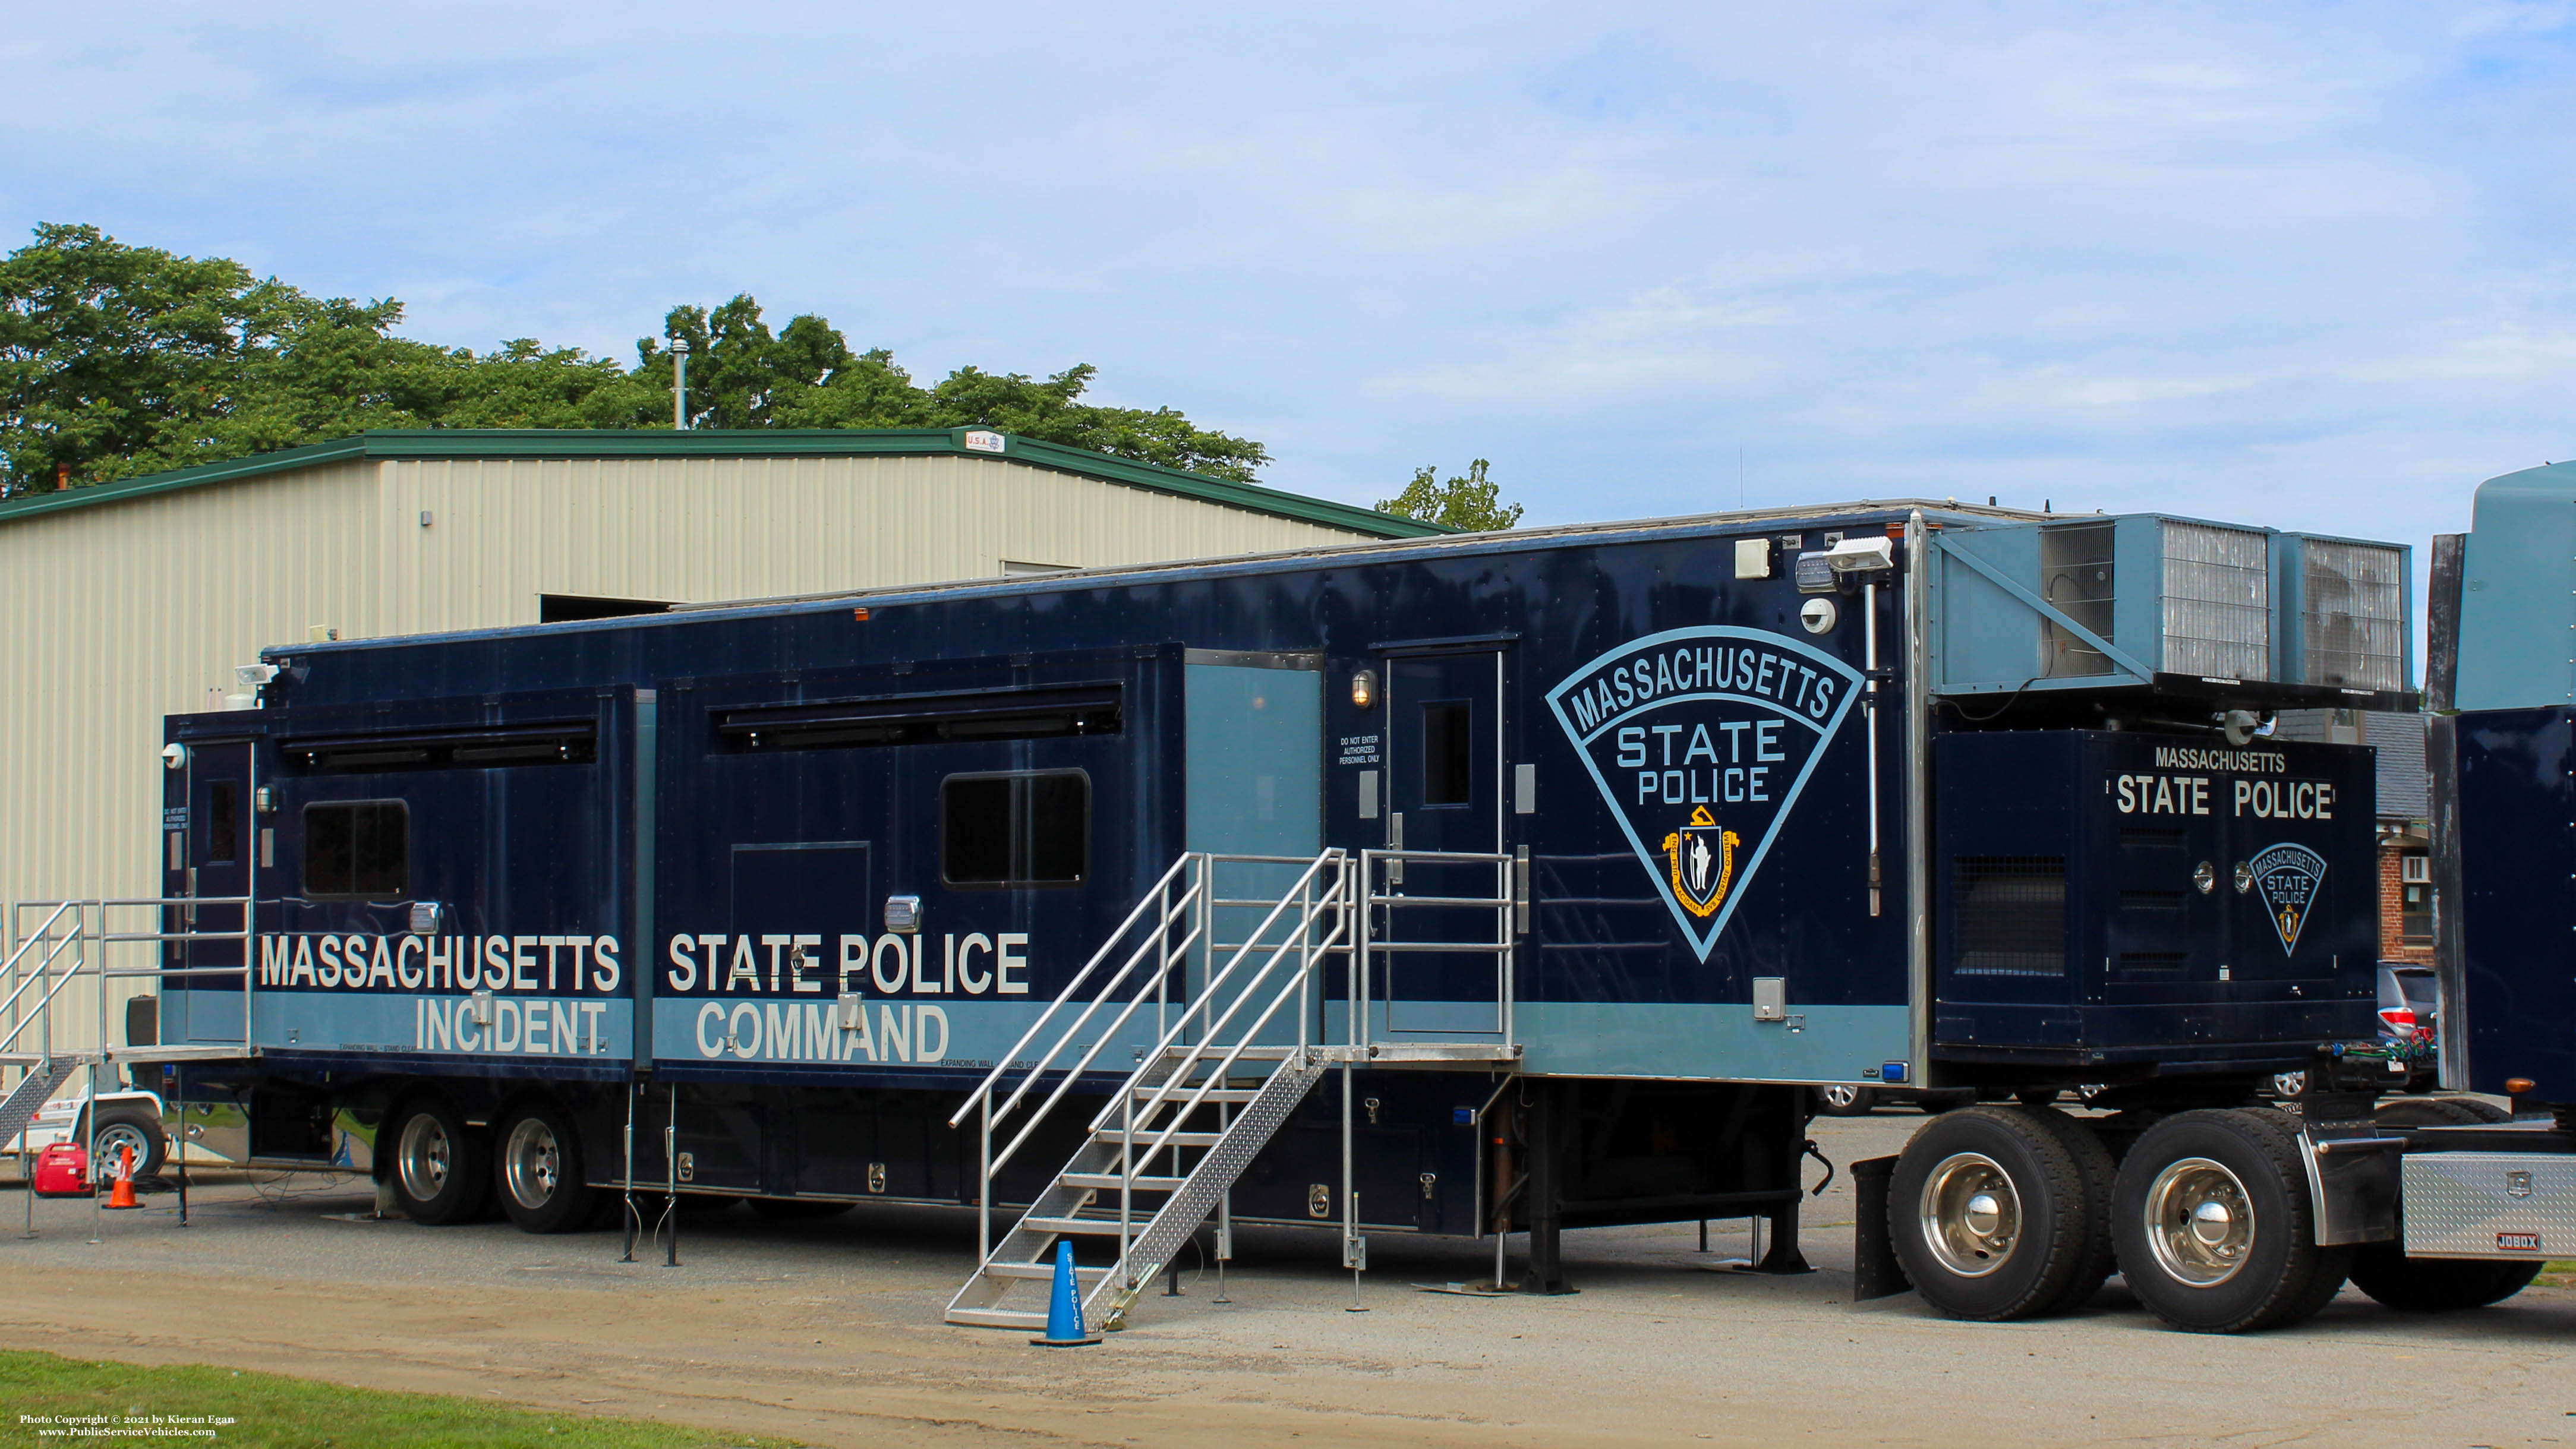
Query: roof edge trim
422, 444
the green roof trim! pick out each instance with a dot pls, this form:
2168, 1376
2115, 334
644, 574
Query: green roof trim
469, 443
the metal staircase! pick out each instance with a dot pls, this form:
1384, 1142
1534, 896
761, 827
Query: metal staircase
34, 1089
1231, 1055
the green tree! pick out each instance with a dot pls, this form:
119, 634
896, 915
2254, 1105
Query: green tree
1473, 503
807, 376
119, 360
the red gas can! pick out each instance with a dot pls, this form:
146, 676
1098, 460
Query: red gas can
62, 1170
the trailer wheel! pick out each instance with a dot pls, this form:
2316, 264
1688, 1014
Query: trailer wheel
135, 1127
537, 1164
1989, 1212
440, 1174
2211, 1221
1842, 1099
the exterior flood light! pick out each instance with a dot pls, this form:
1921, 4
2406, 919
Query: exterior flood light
1364, 689
1861, 556
254, 675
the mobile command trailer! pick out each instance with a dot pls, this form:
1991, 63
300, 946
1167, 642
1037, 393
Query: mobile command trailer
1576, 857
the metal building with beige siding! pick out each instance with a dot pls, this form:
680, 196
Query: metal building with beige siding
129, 601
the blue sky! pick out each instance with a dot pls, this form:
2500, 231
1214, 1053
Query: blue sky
2300, 264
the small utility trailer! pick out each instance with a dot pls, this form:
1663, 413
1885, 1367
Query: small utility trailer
1575, 860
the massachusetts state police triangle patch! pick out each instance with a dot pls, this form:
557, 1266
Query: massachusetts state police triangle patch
1701, 741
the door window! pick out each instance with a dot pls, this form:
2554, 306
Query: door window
223, 833
1448, 753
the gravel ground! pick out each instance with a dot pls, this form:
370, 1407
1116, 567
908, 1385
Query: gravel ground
830, 1333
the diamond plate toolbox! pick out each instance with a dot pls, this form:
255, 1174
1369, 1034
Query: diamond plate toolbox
2489, 1205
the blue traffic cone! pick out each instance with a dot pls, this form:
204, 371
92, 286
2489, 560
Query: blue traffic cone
1064, 1304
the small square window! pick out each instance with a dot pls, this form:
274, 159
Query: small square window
357, 848
1015, 830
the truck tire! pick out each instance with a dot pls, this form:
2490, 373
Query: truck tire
440, 1171
1843, 1099
2101, 1176
2210, 1218
2435, 1285
538, 1171
135, 1127
1990, 1214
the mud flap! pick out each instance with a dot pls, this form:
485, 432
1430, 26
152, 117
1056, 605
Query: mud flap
1875, 1271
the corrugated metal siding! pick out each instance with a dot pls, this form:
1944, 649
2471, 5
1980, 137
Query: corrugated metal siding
121, 614
699, 530
118, 616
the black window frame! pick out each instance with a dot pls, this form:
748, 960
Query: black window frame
1015, 849
304, 869
1448, 753
222, 836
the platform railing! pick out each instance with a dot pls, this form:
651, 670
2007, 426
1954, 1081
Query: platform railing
87, 931
1382, 899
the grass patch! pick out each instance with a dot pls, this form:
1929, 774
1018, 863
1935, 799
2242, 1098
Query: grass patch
80, 1402
2558, 1274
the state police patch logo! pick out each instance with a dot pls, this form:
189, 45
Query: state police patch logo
1701, 741
2288, 877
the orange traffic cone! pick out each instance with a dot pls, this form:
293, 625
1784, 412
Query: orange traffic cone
122, 1195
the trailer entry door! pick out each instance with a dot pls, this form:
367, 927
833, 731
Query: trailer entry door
1445, 793
209, 851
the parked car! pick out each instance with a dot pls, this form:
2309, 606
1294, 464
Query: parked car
1844, 1099
2408, 1006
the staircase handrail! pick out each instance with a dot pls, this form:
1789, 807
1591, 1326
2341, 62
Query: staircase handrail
1213, 1030
1046, 1063
44, 968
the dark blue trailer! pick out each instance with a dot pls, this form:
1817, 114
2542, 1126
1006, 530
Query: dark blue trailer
1576, 859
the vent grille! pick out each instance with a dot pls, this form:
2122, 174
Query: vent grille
2352, 616
2008, 913
2217, 601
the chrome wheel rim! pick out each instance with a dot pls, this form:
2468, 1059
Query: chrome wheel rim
122, 1134
1842, 1095
2199, 1222
425, 1157
1971, 1216
2289, 1084
535, 1163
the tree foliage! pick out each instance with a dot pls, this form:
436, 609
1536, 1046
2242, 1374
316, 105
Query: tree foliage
117, 361
1473, 503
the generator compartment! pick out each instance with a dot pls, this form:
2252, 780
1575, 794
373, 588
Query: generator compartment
2105, 897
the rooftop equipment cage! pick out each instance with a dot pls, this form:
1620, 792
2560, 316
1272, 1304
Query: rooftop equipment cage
2171, 605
